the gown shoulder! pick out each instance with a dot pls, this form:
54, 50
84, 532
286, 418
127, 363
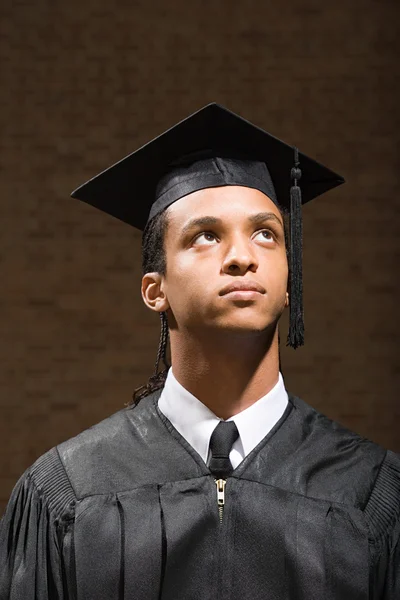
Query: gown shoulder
382, 513
37, 519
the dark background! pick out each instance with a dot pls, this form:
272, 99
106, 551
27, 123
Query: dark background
85, 83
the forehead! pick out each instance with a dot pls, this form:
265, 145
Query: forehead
225, 202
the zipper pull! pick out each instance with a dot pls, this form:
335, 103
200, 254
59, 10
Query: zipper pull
220, 496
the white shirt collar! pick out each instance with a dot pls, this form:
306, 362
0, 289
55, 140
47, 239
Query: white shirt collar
196, 422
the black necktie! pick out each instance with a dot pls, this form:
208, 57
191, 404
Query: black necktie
221, 442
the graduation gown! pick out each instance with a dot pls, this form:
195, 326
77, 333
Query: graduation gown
128, 510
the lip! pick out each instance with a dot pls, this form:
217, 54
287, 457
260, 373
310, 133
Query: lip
242, 294
243, 288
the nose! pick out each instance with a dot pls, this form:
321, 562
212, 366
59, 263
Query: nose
240, 258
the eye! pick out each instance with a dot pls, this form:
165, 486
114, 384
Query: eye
269, 235
206, 235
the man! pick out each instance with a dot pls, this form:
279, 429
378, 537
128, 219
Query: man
214, 482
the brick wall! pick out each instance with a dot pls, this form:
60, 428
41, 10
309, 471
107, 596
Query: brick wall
83, 84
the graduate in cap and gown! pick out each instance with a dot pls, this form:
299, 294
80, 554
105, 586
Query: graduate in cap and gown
213, 481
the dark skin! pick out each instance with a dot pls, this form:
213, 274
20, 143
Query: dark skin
224, 348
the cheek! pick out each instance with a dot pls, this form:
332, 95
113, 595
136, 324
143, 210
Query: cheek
190, 270
276, 271
184, 284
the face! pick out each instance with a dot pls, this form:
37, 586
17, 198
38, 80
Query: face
217, 237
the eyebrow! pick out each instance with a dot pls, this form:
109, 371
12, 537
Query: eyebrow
261, 217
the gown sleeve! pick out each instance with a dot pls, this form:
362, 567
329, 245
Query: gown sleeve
383, 514
31, 534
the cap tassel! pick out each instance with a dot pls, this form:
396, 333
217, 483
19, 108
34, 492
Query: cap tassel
296, 325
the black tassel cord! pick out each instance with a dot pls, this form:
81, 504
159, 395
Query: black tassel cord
296, 324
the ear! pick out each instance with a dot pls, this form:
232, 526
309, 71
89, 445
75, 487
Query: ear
153, 293
287, 300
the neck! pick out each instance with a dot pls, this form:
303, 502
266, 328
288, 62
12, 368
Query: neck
226, 372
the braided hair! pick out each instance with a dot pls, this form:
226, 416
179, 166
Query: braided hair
154, 260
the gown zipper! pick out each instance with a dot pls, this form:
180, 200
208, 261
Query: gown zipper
220, 497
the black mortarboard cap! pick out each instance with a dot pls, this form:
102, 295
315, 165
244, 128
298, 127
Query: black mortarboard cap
210, 148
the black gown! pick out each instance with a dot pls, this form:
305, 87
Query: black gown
128, 509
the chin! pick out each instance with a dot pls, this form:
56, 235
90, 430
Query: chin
247, 326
